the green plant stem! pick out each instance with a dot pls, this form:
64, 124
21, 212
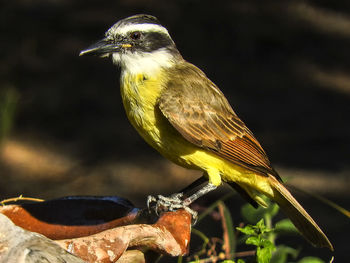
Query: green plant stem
268, 222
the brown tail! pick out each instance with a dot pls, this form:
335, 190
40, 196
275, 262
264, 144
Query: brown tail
297, 214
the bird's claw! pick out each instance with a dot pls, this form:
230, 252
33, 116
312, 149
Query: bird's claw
170, 203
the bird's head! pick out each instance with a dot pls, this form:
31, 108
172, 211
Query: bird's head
135, 39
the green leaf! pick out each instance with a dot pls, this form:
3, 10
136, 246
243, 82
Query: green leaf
285, 226
311, 260
263, 255
248, 230
251, 214
253, 241
261, 224
267, 244
261, 228
240, 261
282, 252
279, 257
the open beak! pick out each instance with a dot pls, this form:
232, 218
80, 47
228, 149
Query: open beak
102, 48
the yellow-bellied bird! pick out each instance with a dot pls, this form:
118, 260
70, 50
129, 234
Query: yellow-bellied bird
184, 116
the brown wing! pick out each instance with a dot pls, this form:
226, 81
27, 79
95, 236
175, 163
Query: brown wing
201, 113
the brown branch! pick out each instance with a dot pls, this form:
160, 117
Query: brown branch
245, 253
101, 229
169, 236
22, 246
226, 240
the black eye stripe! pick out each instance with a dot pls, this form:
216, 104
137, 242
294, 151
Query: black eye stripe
156, 40
147, 41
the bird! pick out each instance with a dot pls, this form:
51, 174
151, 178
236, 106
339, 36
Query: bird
181, 113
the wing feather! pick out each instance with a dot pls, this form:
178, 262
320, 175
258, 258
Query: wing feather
202, 115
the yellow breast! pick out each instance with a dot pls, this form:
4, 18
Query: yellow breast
140, 94
139, 97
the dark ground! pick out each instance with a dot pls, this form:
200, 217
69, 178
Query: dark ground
284, 66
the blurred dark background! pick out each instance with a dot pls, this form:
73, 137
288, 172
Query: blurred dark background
283, 65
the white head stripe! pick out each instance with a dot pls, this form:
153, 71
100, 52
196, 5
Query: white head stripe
137, 27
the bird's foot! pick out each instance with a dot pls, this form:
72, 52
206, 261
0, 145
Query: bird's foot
161, 204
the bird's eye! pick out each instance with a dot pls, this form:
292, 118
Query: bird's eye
135, 35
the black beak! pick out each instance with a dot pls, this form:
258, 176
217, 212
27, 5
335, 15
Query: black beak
102, 48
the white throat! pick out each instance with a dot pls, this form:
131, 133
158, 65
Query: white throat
145, 63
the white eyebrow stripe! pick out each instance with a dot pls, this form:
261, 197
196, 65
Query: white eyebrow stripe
139, 27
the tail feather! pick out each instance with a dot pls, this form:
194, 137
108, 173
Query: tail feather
297, 214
